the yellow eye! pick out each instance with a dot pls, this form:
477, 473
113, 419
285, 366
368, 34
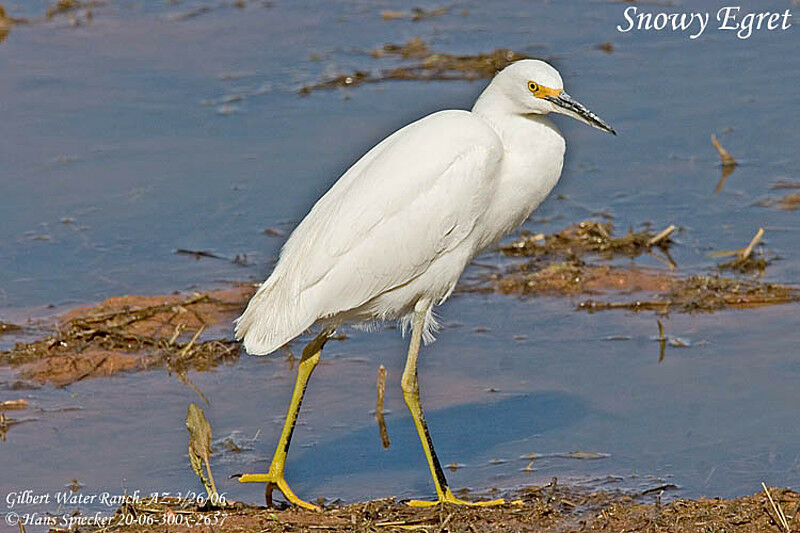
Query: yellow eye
532, 87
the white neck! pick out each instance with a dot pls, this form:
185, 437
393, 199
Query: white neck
534, 151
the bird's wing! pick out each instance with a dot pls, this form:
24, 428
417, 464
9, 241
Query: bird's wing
411, 199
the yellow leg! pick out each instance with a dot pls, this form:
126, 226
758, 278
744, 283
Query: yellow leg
274, 478
410, 385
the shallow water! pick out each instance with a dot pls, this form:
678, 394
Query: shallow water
144, 132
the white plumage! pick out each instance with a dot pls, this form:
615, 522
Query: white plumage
399, 227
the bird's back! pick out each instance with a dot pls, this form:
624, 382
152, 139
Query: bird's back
410, 200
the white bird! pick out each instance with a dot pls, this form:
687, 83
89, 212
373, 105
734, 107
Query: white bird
392, 236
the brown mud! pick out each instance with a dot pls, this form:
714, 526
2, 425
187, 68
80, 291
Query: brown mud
132, 333
551, 508
557, 267
664, 291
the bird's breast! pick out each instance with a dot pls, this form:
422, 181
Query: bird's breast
531, 167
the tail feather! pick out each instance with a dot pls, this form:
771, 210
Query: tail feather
273, 317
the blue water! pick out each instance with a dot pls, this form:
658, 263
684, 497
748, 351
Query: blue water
144, 132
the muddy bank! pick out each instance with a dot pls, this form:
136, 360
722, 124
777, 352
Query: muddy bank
177, 331
551, 508
640, 289
126, 333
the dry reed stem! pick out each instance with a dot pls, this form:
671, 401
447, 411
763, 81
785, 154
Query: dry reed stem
663, 235
777, 509
191, 342
756, 239
724, 155
385, 442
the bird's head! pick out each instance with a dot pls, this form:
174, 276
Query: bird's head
533, 86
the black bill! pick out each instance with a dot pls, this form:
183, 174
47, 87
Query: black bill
577, 110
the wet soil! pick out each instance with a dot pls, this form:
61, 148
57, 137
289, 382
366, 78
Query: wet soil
551, 508
126, 333
557, 266
665, 291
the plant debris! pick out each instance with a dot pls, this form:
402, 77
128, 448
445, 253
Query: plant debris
273, 232
573, 242
132, 333
665, 291
558, 269
379, 414
71, 7
8, 405
549, 509
429, 67
725, 157
5, 327
728, 164
706, 294
790, 202
745, 262
416, 14
6, 21
606, 47
200, 447
238, 259
414, 48
786, 184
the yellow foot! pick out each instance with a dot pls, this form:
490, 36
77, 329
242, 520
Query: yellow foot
274, 481
450, 499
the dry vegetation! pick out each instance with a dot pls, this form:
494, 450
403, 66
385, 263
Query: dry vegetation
578, 240
790, 202
557, 267
427, 66
415, 14
538, 509
6, 327
132, 333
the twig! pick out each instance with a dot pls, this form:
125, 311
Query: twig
185, 379
777, 509
724, 155
178, 330
661, 236
749, 250
385, 442
191, 342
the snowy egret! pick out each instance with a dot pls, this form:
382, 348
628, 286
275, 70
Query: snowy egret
391, 237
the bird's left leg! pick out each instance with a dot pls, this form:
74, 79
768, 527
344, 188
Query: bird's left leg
274, 478
410, 385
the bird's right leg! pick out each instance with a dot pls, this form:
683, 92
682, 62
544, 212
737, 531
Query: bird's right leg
274, 478
410, 385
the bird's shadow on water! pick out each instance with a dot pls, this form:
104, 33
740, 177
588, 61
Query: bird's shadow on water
462, 433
